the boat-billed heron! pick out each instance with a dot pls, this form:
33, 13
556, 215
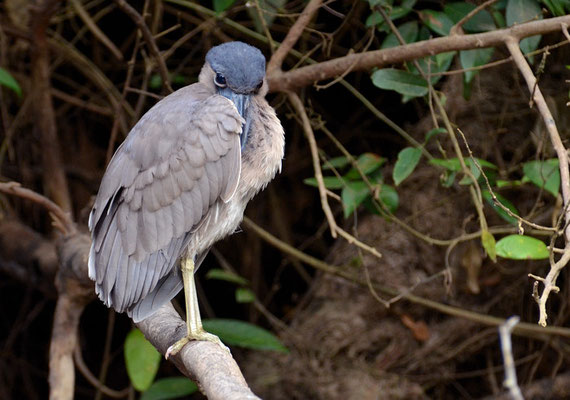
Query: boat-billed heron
180, 182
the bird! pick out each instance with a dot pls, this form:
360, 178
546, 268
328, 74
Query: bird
180, 182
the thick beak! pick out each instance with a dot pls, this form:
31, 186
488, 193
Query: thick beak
241, 102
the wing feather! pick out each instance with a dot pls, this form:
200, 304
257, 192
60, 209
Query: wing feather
179, 159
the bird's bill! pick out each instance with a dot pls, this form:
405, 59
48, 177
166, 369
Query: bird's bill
241, 102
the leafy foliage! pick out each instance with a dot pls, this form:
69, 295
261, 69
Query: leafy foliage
519, 247
141, 359
8, 80
169, 388
243, 334
355, 189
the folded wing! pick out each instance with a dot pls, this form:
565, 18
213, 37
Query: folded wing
180, 158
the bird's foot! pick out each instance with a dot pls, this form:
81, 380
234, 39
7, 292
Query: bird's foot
201, 335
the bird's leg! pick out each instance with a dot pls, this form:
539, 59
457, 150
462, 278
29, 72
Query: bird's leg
193, 321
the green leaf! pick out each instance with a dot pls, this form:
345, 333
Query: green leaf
499, 19
6, 79
389, 197
374, 19
480, 22
407, 161
336, 162
394, 12
453, 164
222, 5
433, 132
220, 274
368, 163
244, 295
437, 21
142, 360
556, 7
243, 334
409, 32
331, 182
488, 242
400, 81
519, 247
374, 3
502, 213
520, 11
544, 174
402, 10
447, 178
474, 58
352, 195
170, 388
433, 65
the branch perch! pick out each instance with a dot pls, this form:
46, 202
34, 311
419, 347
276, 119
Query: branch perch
217, 373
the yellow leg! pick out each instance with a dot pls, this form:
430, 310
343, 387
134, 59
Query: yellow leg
193, 320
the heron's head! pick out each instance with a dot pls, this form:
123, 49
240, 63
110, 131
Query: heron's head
237, 71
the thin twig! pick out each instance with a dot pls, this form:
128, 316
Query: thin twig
88, 375
494, 196
523, 329
98, 33
510, 381
61, 219
276, 61
298, 106
149, 39
455, 29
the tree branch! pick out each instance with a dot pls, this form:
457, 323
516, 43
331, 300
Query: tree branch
549, 281
54, 177
298, 106
216, 372
61, 219
304, 76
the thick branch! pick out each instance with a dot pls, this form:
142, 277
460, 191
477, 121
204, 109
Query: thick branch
285, 81
55, 181
75, 292
218, 375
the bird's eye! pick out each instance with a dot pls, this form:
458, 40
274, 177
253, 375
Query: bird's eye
220, 80
259, 86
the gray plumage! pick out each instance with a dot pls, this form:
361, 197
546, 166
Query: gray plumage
181, 180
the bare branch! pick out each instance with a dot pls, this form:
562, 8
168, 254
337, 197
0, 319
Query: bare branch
508, 360
284, 81
512, 44
456, 29
62, 220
